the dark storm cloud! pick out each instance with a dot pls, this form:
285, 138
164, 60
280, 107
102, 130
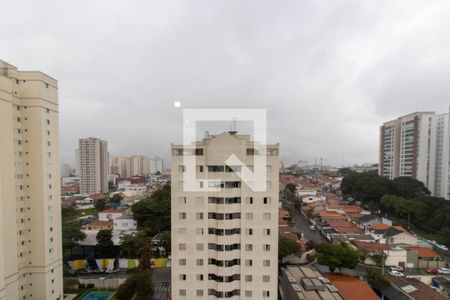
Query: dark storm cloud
328, 72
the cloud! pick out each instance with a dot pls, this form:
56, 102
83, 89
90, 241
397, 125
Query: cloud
328, 72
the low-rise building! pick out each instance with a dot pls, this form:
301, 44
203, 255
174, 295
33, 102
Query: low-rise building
124, 223
352, 288
98, 225
110, 214
424, 258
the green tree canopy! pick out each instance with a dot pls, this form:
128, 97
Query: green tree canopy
105, 245
100, 205
409, 187
138, 286
153, 213
287, 247
337, 257
71, 233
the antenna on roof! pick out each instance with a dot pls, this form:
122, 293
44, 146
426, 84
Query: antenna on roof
233, 130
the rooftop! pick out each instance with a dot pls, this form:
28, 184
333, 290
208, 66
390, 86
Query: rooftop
352, 288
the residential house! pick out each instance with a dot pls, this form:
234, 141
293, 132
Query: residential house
110, 214
98, 225
125, 223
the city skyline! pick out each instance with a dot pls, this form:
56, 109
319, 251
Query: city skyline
327, 77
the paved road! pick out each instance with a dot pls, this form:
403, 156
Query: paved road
302, 226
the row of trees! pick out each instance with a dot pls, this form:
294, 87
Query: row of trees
404, 198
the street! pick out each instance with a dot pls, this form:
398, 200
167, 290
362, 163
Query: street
302, 226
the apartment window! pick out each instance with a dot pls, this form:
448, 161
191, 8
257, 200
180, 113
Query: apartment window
199, 216
249, 216
182, 247
199, 247
266, 216
248, 278
266, 294
181, 200
248, 262
248, 247
182, 230
182, 216
48, 110
182, 168
199, 293
199, 277
248, 200
199, 231
266, 231
199, 200
267, 200
199, 169
266, 263
182, 261
182, 292
249, 231
48, 121
182, 277
266, 278
268, 184
266, 247
268, 168
248, 294
199, 262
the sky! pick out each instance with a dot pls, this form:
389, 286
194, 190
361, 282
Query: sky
328, 73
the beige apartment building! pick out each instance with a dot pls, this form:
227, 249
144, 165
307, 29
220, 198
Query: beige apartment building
127, 166
30, 212
93, 160
224, 233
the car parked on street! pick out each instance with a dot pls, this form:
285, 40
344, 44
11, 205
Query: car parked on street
432, 271
396, 273
397, 268
443, 271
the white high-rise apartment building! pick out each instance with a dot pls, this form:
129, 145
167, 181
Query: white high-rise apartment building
156, 165
30, 212
417, 145
93, 167
224, 243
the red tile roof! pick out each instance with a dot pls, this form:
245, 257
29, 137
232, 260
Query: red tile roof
424, 252
380, 226
370, 247
352, 288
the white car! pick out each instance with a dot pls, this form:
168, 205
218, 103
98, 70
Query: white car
396, 273
312, 227
444, 271
397, 268
442, 247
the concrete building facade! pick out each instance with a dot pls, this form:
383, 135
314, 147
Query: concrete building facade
127, 166
417, 145
156, 165
225, 240
30, 212
93, 162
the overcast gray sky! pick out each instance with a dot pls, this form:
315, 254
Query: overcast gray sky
328, 72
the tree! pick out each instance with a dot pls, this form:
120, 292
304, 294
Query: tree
100, 205
138, 286
71, 233
375, 278
131, 245
105, 245
153, 213
337, 257
409, 187
287, 247
116, 199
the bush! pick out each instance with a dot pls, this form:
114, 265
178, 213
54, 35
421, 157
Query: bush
90, 285
81, 286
